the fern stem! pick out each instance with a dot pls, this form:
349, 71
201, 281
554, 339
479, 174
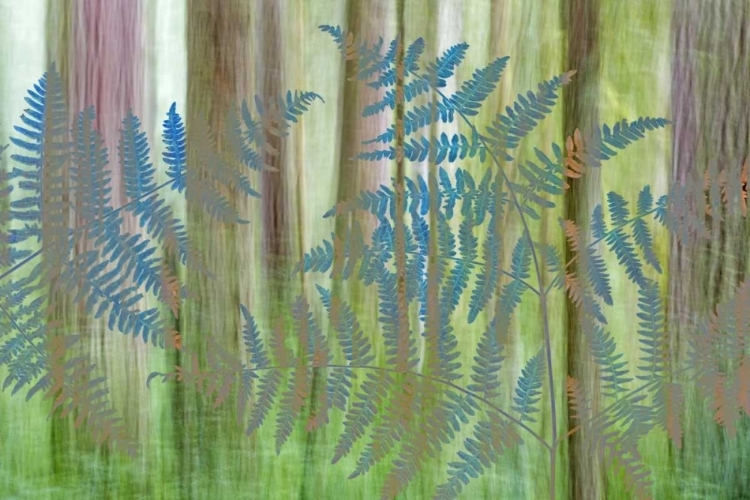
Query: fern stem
542, 295
615, 228
426, 377
619, 401
479, 264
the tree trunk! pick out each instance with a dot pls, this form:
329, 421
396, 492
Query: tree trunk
581, 18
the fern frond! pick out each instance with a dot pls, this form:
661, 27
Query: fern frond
473, 92
641, 232
507, 131
488, 361
72, 388
511, 293
397, 422
437, 72
175, 154
487, 279
89, 175
614, 373
365, 407
491, 437
438, 428
253, 343
458, 278
47, 152
414, 119
596, 270
528, 388
651, 334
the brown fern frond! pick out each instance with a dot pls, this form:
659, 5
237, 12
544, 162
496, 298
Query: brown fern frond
575, 158
170, 290
674, 405
73, 389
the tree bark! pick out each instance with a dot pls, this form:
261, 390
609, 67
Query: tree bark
581, 18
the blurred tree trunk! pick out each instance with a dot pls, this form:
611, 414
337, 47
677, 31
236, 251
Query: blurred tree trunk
219, 50
96, 47
581, 19
711, 47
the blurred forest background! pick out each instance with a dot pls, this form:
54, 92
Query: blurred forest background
685, 60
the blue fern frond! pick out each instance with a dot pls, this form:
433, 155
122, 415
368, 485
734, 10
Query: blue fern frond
487, 362
414, 119
355, 345
511, 293
138, 172
413, 53
412, 89
645, 200
618, 208
338, 36
553, 259
540, 180
641, 231
47, 145
651, 332
481, 452
253, 342
365, 407
508, 129
437, 72
473, 92
88, 173
620, 243
296, 104
175, 154
529, 387
487, 279
152, 211
602, 145
598, 226
614, 372
451, 193
458, 279
596, 272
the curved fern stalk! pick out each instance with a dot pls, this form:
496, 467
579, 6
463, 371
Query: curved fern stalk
542, 295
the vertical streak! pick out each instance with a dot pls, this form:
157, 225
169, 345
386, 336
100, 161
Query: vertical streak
581, 19
218, 75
